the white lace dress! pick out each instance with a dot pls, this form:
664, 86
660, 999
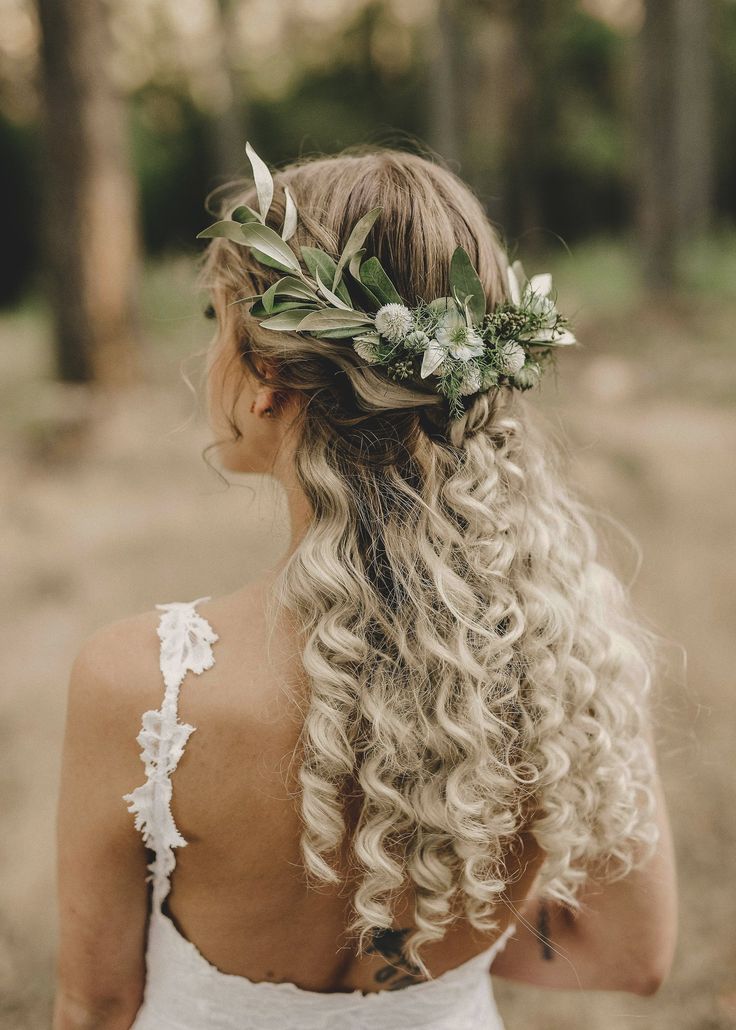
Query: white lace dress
183, 990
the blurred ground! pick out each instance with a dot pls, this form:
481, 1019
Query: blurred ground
105, 520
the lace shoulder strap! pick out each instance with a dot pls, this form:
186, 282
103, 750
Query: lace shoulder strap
186, 646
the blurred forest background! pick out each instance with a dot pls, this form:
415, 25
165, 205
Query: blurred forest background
601, 137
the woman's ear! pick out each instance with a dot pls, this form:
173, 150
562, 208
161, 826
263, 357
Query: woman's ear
263, 402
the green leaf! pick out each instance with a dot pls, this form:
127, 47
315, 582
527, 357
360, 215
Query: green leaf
289, 286
319, 320
372, 299
243, 213
269, 262
316, 260
339, 334
267, 242
354, 265
227, 229
258, 310
442, 304
287, 321
356, 239
467, 286
263, 180
374, 277
245, 300
330, 296
289, 216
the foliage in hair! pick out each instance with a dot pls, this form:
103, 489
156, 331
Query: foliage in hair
453, 340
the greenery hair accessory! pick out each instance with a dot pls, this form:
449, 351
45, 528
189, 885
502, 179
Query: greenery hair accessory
451, 339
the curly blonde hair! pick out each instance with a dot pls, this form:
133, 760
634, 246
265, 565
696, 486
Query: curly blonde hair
475, 670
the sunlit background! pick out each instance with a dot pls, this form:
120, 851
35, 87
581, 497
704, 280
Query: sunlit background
600, 136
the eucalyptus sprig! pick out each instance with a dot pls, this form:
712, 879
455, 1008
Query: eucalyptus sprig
454, 339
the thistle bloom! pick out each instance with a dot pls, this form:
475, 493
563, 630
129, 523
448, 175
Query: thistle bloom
472, 379
394, 321
366, 346
416, 341
511, 358
527, 377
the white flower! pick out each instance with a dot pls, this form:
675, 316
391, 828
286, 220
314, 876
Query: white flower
434, 355
534, 294
454, 337
457, 337
515, 275
527, 377
394, 321
548, 335
472, 379
511, 358
366, 346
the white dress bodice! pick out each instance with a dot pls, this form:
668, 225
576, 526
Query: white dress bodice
184, 991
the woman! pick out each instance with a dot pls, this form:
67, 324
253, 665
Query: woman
422, 742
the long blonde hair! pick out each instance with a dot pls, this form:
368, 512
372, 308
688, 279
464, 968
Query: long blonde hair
475, 670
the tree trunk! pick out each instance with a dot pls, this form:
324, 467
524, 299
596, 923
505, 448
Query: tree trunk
446, 51
694, 118
228, 126
526, 126
657, 169
91, 215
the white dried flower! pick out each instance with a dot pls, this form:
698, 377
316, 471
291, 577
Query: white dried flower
535, 295
394, 321
366, 346
472, 379
511, 358
432, 362
416, 341
527, 377
457, 337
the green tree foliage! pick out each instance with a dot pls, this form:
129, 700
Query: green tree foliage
544, 108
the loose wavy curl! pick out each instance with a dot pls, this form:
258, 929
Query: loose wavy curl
475, 670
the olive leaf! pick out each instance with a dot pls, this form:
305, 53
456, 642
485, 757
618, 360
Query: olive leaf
354, 269
334, 319
286, 321
289, 216
354, 263
227, 229
316, 260
259, 311
356, 239
330, 296
265, 241
339, 334
291, 287
243, 213
263, 181
374, 277
466, 285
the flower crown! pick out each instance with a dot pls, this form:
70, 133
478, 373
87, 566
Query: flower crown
452, 338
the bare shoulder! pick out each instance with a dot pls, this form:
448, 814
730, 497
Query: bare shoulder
113, 680
118, 664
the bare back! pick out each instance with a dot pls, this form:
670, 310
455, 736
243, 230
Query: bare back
238, 891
